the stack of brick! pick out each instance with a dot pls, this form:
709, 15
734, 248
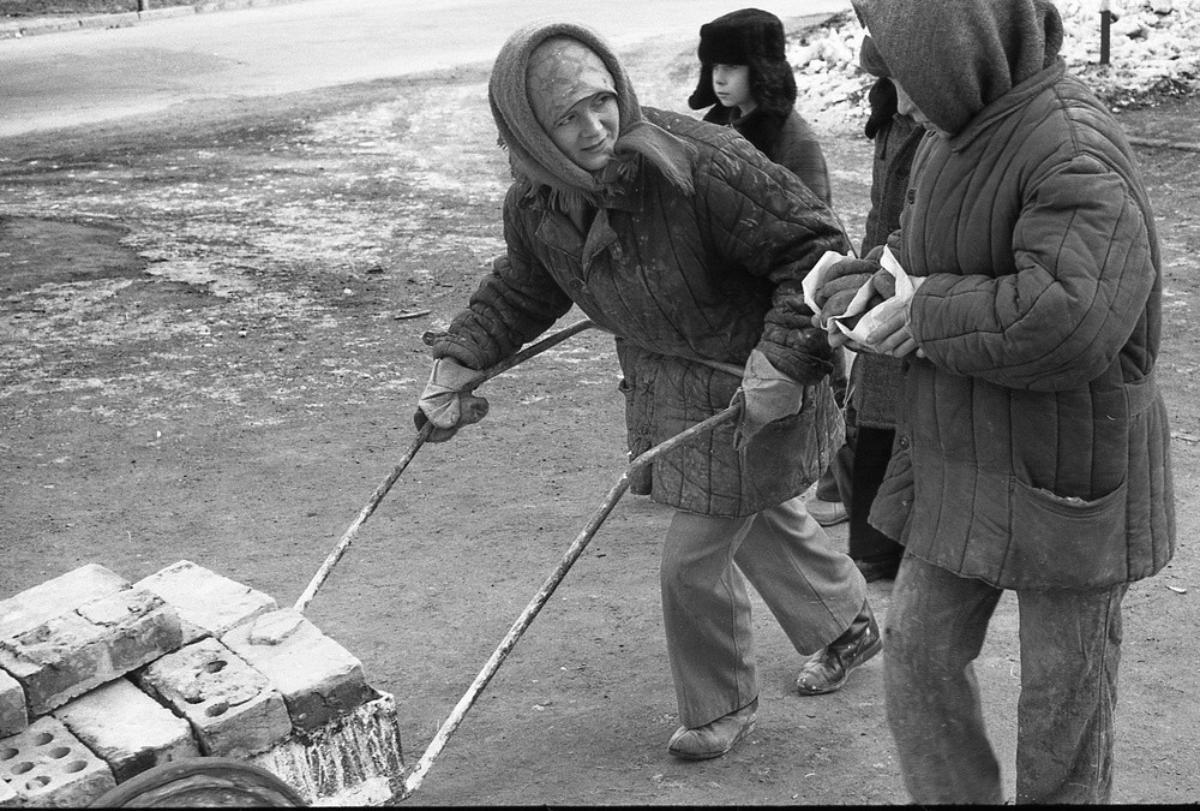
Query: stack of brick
102, 679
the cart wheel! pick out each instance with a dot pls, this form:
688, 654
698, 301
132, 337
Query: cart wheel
202, 782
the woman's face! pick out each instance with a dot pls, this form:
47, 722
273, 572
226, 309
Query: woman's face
731, 84
587, 132
905, 106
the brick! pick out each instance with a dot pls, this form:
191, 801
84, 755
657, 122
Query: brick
319, 679
100, 641
233, 709
128, 729
353, 761
13, 714
208, 603
30, 608
48, 766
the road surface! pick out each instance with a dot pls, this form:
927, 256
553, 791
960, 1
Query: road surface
77, 78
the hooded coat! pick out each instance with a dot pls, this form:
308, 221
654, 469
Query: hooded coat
690, 247
1033, 446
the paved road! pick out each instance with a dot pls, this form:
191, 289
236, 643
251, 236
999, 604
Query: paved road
76, 78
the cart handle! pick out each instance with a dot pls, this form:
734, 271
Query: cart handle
413, 781
343, 543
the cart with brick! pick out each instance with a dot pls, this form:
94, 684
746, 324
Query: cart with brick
188, 688
185, 685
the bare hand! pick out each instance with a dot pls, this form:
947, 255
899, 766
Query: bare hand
892, 336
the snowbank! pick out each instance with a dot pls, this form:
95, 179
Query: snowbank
1154, 51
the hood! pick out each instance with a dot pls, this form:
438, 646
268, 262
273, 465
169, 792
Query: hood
984, 49
533, 156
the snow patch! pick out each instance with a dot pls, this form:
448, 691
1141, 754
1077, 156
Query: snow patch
1152, 51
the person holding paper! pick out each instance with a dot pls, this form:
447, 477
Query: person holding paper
1032, 450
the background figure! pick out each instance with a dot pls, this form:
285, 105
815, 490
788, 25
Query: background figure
639, 217
877, 381
1033, 447
746, 79
749, 84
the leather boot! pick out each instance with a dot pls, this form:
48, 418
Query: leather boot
827, 669
716, 738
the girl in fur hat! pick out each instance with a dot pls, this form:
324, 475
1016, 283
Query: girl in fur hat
746, 79
690, 247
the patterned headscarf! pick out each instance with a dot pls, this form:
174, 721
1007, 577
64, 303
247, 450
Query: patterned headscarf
561, 72
534, 156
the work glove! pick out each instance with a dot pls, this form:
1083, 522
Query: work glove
767, 394
839, 286
444, 404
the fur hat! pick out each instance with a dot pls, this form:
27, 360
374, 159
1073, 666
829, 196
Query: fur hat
752, 37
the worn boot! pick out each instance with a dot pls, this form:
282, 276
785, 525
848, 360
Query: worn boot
716, 738
827, 669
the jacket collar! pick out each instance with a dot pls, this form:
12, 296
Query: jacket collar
1006, 105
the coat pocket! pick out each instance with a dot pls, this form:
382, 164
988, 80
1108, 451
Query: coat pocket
1069, 543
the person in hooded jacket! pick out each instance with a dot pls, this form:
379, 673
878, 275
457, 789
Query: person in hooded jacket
690, 246
1032, 449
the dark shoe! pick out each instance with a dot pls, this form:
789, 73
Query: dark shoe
827, 669
878, 569
827, 513
714, 739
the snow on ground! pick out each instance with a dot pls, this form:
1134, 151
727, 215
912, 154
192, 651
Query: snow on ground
1154, 50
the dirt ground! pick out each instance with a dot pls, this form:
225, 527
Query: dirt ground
211, 346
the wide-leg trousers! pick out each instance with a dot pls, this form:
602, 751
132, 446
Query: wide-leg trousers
813, 591
1070, 644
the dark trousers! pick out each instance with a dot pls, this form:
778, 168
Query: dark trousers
872, 451
1070, 643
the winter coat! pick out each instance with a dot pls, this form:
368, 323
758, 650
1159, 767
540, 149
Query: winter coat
876, 380
693, 248
1033, 446
785, 138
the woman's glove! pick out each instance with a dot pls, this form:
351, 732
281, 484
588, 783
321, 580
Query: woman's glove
767, 395
839, 285
444, 404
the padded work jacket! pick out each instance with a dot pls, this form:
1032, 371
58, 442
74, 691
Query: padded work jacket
680, 278
1033, 447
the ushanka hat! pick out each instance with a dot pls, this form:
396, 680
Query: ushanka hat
752, 37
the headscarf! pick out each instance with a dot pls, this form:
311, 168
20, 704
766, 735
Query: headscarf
983, 49
563, 71
534, 156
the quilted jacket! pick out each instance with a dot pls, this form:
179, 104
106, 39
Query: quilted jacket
680, 277
1033, 447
